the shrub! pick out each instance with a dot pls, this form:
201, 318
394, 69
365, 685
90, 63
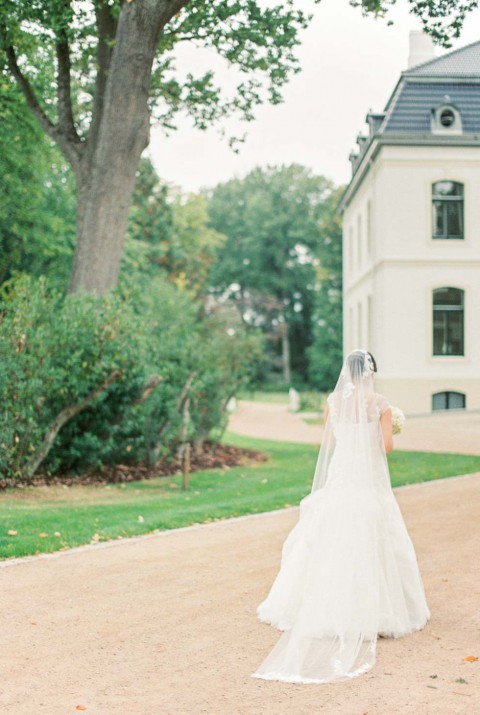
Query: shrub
55, 354
87, 381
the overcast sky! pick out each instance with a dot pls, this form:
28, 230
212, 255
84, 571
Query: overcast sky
349, 64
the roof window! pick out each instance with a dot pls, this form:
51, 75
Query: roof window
446, 119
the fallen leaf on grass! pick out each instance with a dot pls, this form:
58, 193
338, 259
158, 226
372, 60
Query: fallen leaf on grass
471, 658
43, 535
12, 532
57, 533
141, 519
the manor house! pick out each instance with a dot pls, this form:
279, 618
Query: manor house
411, 241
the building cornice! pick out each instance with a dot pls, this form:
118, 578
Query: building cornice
364, 165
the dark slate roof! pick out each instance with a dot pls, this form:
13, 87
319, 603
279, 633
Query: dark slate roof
462, 62
410, 111
452, 79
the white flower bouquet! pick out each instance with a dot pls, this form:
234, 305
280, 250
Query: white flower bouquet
398, 419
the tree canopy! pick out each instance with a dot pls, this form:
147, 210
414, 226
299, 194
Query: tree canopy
269, 263
443, 20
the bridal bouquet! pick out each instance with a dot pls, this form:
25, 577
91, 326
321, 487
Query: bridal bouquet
398, 420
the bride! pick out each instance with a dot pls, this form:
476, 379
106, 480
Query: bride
348, 569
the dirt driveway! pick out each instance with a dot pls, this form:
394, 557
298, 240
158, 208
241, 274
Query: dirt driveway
166, 624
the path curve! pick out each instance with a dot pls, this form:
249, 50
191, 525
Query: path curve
457, 432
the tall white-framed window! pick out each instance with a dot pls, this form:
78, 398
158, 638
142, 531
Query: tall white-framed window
448, 307
448, 209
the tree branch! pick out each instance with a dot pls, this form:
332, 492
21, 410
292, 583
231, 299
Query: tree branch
65, 112
148, 388
69, 148
64, 416
154, 452
106, 27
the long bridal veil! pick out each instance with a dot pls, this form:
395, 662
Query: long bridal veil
327, 597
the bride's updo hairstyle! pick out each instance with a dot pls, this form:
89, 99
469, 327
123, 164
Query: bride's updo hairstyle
360, 363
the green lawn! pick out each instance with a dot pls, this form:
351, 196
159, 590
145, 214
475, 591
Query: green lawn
80, 514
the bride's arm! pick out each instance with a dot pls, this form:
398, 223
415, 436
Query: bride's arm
386, 426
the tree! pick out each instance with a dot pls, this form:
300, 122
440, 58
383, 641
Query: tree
173, 231
326, 351
442, 19
268, 264
114, 71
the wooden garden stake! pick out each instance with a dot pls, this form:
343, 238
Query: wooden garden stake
186, 465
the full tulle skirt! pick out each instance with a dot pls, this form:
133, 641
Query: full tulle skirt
348, 574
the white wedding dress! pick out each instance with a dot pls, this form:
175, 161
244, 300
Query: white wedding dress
348, 568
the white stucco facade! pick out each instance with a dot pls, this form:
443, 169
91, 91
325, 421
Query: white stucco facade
392, 265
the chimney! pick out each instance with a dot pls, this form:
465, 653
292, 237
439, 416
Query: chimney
422, 48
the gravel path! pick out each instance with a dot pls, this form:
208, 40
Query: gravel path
457, 432
165, 624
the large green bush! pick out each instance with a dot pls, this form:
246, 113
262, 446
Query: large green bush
54, 353
147, 372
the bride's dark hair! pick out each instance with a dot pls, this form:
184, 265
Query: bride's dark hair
374, 362
356, 363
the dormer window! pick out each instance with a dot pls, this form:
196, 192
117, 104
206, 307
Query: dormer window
446, 119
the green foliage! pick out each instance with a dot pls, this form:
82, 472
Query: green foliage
169, 231
311, 401
37, 207
54, 353
325, 354
269, 264
442, 19
257, 40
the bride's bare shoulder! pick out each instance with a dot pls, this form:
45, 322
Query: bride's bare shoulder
382, 402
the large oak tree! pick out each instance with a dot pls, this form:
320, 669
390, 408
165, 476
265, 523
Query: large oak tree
95, 72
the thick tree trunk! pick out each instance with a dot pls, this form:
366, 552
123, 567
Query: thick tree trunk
106, 175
